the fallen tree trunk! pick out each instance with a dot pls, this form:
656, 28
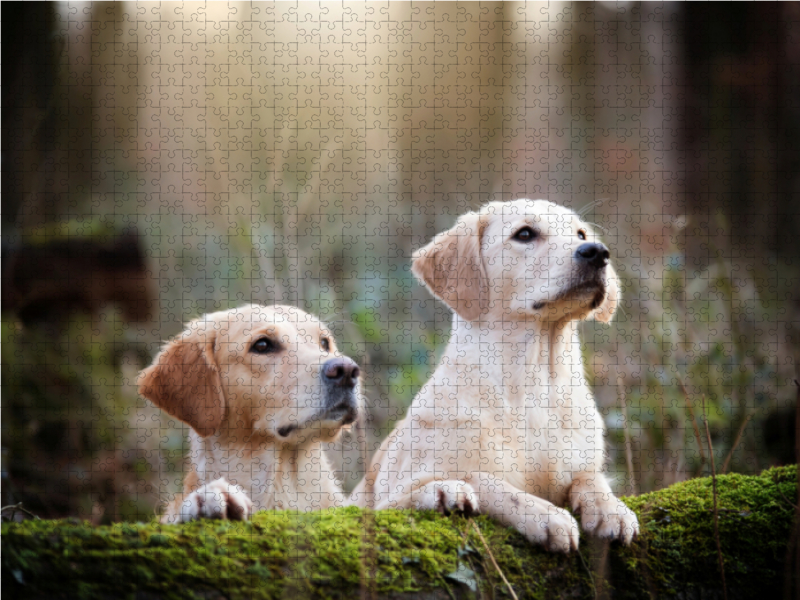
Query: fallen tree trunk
349, 552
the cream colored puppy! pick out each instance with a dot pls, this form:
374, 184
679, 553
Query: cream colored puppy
507, 425
262, 388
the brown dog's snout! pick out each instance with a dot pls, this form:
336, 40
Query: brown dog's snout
341, 372
596, 255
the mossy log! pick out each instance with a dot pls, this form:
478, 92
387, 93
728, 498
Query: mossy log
349, 553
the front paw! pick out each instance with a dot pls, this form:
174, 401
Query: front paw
607, 517
448, 497
554, 528
216, 500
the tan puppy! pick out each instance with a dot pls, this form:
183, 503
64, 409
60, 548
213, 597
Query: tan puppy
507, 425
262, 388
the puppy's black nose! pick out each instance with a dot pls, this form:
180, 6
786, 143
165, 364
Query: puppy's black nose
341, 371
596, 255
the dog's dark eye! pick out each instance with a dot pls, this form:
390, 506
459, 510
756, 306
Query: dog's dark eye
264, 346
325, 343
581, 234
525, 235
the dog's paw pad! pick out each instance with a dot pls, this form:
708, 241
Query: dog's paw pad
447, 497
549, 526
563, 534
217, 500
456, 497
610, 520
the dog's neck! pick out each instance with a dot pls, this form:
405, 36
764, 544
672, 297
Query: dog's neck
518, 355
275, 476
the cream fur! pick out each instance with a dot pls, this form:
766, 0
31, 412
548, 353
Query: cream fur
507, 425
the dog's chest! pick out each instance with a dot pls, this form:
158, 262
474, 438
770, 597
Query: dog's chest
541, 441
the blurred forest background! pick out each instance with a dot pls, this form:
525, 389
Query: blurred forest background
162, 160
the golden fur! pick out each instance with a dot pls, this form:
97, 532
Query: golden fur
258, 419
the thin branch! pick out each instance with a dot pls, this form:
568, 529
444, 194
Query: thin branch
18, 507
716, 514
494, 562
736, 443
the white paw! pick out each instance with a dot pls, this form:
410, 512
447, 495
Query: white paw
216, 500
447, 497
607, 517
554, 528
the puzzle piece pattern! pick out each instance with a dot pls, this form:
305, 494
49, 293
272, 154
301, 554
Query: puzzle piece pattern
298, 153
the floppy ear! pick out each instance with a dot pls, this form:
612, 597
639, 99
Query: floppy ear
605, 312
451, 267
184, 380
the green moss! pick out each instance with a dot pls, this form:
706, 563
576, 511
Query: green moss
336, 553
755, 521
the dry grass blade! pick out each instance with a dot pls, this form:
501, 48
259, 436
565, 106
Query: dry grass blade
494, 562
362, 423
736, 443
368, 530
792, 570
628, 448
716, 514
368, 575
694, 426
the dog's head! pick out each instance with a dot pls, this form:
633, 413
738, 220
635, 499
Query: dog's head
521, 259
273, 370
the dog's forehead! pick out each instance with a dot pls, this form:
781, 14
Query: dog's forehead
283, 320
252, 320
543, 215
